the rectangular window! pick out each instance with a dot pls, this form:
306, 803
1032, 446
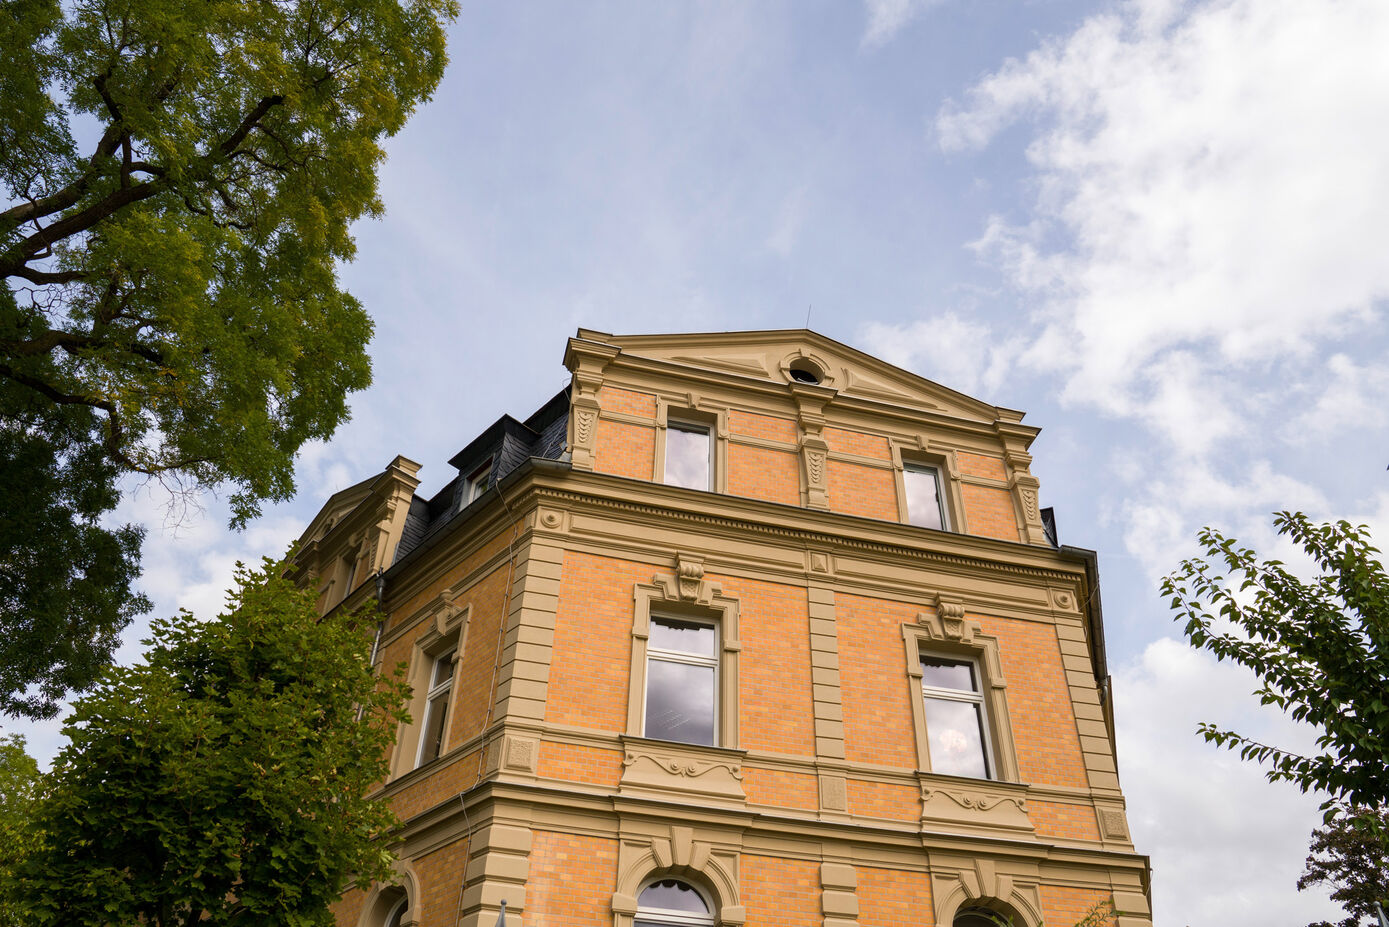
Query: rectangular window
436, 710
688, 455
923, 496
682, 668
956, 728
476, 484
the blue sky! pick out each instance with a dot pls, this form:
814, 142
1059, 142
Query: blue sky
1156, 226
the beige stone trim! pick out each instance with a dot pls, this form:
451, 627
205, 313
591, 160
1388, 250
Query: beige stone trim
661, 769
690, 408
686, 592
587, 360
383, 898
527, 647
704, 857
947, 631
983, 882
930, 453
810, 402
440, 625
824, 663
498, 866
839, 894
1096, 747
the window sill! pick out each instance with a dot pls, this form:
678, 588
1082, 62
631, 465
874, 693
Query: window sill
660, 768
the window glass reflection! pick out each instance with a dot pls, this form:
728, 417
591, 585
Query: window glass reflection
923, 497
672, 895
687, 456
680, 702
955, 736
947, 674
684, 636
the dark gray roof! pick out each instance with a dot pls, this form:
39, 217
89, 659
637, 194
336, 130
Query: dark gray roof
505, 444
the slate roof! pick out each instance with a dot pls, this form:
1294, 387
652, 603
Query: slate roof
506, 443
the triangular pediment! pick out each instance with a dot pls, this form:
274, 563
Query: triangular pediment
772, 355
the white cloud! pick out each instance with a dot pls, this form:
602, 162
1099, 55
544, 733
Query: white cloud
886, 18
1199, 811
1214, 179
959, 353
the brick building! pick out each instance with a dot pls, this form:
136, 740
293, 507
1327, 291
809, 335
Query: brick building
744, 628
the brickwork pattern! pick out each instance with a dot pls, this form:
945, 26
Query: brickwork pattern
754, 425
893, 897
407, 609
991, 468
764, 473
442, 785
593, 642
855, 489
1065, 905
1039, 702
474, 676
577, 763
780, 892
1058, 819
441, 876
348, 909
884, 800
842, 441
624, 449
989, 512
630, 402
774, 690
781, 789
572, 880
873, 680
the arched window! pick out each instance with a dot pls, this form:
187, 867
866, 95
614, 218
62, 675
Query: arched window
978, 917
672, 903
397, 913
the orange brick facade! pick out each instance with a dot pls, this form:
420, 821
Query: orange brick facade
815, 803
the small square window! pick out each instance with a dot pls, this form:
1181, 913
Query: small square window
436, 711
689, 453
924, 503
956, 727
682, 668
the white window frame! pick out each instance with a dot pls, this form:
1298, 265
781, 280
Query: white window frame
475, 484
690, 659
911, 466
437, 689
676, 423
976, 697
397, 911
668, 918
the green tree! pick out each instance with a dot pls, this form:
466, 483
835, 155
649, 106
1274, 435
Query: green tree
224, 780
1320, 649
1346, 856
19, 776
179, 182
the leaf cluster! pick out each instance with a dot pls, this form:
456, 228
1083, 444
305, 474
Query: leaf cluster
178, 275
224, 780
1320, 649
1349, 855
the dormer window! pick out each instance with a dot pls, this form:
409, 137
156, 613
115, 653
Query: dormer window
476, 484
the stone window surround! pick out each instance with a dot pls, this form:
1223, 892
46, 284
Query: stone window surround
686, 594
949, 634
930, 454
690, 413
444, 630
382, 900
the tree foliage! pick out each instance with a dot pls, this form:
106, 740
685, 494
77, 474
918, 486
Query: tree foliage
1347, 857
179, 182
223, 781
19, 776
1320, 649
